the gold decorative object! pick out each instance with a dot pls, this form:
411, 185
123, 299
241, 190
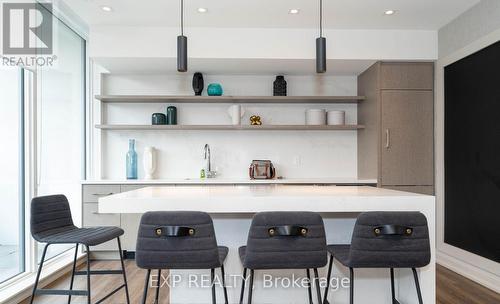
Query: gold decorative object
255, 120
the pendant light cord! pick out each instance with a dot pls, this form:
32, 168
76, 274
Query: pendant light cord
182, 17
321, 18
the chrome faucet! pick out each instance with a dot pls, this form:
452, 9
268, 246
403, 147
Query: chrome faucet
208, 167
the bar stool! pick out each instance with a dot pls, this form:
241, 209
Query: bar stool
51, 223
179, 240
284, 240
384, 240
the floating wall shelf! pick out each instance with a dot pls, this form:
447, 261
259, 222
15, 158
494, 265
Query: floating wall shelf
231, 127
227, 99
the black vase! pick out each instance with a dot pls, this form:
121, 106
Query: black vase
279, 88
198, 83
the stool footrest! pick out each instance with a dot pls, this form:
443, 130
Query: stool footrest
61, 292
110, 294
98, 272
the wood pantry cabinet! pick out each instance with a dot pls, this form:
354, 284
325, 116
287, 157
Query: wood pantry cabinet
397, 144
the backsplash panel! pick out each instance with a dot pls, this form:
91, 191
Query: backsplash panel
296, 154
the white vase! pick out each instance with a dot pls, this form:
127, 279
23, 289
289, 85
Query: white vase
236, 113
149, 162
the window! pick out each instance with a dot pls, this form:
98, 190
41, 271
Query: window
42, 129
11, 174
60, 124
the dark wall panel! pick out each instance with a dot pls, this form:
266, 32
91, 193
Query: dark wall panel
472, 153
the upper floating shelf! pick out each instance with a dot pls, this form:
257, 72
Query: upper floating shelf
227, 99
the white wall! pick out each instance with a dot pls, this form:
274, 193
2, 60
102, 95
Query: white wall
472, 25
474, 30
295, 153
160, 42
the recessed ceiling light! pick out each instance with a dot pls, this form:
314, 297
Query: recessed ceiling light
390, 12
294, 11
106, 8
202, 10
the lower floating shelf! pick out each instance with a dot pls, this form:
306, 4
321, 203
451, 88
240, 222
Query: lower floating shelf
232, 127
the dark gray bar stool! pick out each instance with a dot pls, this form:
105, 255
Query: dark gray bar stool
385, 240
51, 223
179, 240
284, 240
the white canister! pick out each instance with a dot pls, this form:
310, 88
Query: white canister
315, 117
149, 162
236, 113
335, 118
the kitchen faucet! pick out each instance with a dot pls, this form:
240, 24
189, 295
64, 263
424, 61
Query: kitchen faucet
208, 167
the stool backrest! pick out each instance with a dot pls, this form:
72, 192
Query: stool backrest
286, 240
176, 240
49, 214
390, 240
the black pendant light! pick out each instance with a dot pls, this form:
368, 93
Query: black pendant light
320, 44
182, 60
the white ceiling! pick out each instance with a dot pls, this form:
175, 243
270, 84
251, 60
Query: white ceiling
338, 14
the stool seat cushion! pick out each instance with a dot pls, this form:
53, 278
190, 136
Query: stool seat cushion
223, 251
242, 251
72, 235
341, 253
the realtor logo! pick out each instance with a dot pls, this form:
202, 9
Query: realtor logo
27, 29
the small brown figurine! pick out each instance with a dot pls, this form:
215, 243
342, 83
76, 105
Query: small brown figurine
255, 120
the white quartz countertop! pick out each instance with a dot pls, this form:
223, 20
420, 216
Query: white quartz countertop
257, 198
229, 181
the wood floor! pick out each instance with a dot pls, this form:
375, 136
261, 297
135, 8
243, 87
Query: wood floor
455, 289
451, 287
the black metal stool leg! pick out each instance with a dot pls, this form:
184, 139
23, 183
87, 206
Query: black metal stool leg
328, 278
157, 296
351, 285
309, 289
224, 283
318, 290
417, 285
88, 274
243, 285
393, 292
250, 290
73, 273
38, 273
212, 282
146, 285
123, 269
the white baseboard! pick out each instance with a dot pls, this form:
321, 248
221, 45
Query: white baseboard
478, 275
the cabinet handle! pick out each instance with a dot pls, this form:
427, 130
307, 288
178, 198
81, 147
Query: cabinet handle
387, 138
102, 194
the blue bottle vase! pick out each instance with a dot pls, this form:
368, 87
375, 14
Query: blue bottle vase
131, 160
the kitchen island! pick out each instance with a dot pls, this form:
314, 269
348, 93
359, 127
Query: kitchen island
232, 208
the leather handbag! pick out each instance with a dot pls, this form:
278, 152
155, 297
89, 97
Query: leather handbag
262, 169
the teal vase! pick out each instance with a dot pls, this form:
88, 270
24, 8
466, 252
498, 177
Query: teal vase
214, 89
